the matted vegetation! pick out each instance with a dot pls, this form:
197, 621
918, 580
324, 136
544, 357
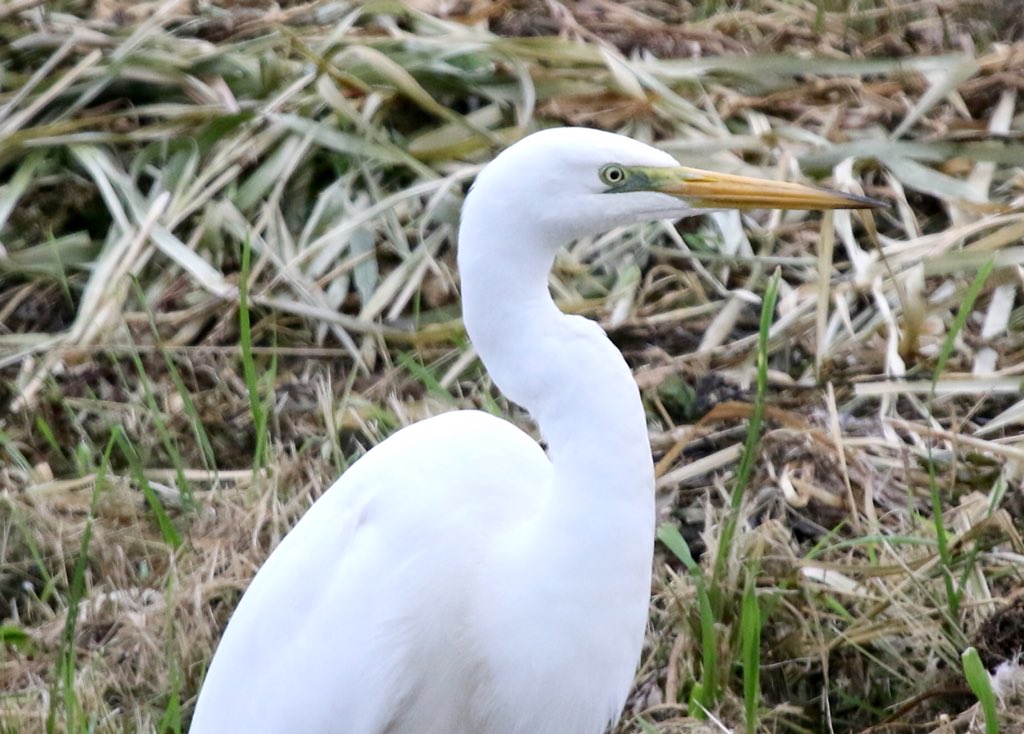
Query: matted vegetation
227, 269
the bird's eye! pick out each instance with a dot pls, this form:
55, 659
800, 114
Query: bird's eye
613, 174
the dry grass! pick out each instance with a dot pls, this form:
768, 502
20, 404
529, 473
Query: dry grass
149, 461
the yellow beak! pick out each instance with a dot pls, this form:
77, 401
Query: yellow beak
710, 190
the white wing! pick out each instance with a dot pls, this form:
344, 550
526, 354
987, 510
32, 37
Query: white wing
350, 626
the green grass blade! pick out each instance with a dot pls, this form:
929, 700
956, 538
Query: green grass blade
256, 407
167, 529
163, 432
705, 691
188, 404
981, 685
74, 715
746, 467
750, 642
49, 436
941, 534
672, 539
962, 314
423, 374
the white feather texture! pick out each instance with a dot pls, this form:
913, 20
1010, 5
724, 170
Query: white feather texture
457, 579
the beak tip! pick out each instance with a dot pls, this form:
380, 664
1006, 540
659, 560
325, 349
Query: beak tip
865, 202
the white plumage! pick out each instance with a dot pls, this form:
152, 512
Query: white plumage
456, 579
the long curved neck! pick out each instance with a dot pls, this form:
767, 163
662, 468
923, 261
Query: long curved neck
562, 369
590, 544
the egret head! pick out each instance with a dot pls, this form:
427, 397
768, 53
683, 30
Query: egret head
561, 184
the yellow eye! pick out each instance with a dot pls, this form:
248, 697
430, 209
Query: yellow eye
613, 174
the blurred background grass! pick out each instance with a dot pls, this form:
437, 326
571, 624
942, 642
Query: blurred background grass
227, 269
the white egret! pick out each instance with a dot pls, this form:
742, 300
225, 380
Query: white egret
457, 579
